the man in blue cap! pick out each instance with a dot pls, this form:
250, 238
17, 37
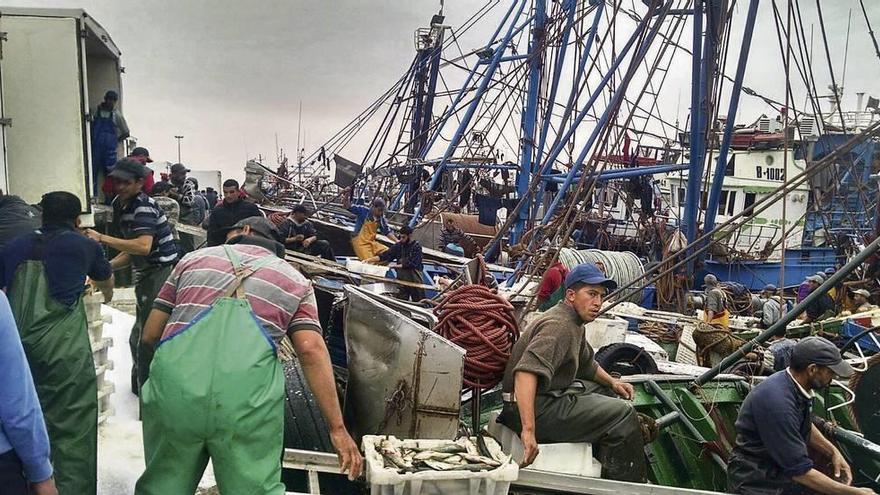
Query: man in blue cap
774, 429
555, 392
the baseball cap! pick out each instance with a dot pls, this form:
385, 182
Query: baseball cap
179, 167
815, 278
710, 279
821, 275
259, 225
770, 287
300, 209
862, 292
141, 151
830, 271
589, 273
818, 350
379, 203
128, 169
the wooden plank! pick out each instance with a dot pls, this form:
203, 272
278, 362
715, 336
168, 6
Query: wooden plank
326, 266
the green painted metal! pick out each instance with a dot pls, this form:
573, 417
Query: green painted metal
677, 459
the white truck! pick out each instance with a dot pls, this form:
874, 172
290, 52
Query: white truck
55, 65
208, 178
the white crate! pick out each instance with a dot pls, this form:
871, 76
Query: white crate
101, 373
104, 397
96, 331
100, 351
356, 266
574, 459
92, 303
388, 481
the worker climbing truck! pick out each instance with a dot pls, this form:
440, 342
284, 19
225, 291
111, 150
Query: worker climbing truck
55, 65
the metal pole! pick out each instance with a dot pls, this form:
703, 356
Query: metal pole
721, 163
178, 138
848, 438
779, 326
530, 113
624, 172
696, 166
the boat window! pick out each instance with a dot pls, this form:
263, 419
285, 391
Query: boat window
681, 195
703, 200
748, 203
722, 203
730, 169
731, 202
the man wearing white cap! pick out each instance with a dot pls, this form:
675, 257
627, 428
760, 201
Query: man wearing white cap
860, 301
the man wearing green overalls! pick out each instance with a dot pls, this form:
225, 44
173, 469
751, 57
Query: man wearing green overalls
216, 387
44, 273
147, 244
555, 392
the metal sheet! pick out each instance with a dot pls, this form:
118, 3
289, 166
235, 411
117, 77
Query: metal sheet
404, 379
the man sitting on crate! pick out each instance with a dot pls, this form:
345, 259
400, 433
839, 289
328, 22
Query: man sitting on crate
555, 392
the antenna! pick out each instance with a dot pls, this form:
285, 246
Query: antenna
277, 152
299, 126
846, 50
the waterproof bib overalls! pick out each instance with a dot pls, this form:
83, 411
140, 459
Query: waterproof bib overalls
56, 341
216, 390
104, 143
364, 243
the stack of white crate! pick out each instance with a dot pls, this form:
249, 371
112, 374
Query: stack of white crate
100, 351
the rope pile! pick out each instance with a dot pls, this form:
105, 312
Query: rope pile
480, 321
661, 333
623, 267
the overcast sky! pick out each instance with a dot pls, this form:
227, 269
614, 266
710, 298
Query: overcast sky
228, 75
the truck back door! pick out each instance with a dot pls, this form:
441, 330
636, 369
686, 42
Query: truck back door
43, 102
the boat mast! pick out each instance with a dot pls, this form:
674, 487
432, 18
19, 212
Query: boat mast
530, 115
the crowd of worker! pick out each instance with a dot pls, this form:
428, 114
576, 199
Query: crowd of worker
193, 403
209, 322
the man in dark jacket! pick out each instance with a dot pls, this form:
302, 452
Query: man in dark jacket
229, 213
774, 429
407, 252
299, 234
16, 218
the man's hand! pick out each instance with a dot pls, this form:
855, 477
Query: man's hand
46, 487
372, 261
623, 389
349, 456
842, 471
306, 242
93, 235
530, 448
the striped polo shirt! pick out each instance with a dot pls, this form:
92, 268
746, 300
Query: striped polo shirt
281, 297
140, 216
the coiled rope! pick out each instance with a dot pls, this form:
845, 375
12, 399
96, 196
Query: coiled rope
623, 267
480, 321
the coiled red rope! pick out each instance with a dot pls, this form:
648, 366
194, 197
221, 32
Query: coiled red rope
479, 320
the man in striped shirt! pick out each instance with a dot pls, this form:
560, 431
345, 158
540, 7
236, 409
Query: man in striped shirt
283, 302
146, 243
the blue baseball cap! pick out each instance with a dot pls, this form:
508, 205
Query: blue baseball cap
589, 273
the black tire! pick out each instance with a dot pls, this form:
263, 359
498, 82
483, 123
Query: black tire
625, 359
304, 427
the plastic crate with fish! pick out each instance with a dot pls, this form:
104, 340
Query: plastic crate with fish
435, 467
